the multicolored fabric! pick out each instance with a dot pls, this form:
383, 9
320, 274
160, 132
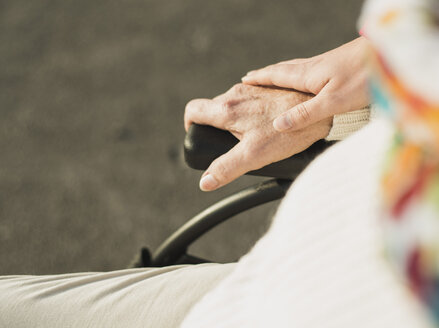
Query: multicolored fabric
405, 85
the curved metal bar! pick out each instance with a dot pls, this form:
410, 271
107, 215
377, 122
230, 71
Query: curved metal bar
176, 245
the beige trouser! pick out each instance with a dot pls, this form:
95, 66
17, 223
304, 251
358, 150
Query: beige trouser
146, 297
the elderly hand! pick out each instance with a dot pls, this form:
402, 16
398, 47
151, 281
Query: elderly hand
248, 113
338, 78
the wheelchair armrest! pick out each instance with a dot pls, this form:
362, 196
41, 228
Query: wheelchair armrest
205, 143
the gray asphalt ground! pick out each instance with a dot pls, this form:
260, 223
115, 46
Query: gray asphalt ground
92, 96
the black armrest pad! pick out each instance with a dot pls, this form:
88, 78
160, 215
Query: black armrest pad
205, 143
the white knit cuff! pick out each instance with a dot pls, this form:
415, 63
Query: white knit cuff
343, 125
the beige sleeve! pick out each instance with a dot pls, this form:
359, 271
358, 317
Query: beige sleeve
343, 125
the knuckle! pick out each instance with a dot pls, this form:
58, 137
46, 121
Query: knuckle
228, 109
301, 114
253, 154
277, 68
280, 68
238, 88
249, 157
302, 70
271, 70
247, 153
221, 170
250, 149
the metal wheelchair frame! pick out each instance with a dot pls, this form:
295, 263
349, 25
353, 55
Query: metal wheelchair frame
202, 145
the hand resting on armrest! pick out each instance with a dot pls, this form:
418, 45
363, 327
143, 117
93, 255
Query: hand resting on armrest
248, 113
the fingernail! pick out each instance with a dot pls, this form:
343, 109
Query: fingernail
251, 72
208, 182
245, 79
282, 123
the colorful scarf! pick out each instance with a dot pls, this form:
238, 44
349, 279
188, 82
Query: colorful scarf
405, 85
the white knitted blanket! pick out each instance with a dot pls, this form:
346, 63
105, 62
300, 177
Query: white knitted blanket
321, 264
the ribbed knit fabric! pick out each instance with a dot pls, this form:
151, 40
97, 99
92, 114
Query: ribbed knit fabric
321, 263
343, 125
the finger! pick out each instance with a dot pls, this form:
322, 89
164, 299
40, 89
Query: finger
282, 75
296, 61
202, 111
288, 61
227, 168
306, 113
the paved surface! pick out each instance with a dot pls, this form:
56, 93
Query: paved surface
92, 95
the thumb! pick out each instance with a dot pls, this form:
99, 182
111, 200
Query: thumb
226, 168
306, 113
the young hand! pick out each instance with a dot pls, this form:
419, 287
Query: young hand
338, 78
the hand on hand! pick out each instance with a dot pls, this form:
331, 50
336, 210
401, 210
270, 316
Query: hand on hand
248, 113
338, 78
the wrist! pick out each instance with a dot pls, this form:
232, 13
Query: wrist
343, 125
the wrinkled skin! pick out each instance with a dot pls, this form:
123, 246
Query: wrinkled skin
338, 78
248, 113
